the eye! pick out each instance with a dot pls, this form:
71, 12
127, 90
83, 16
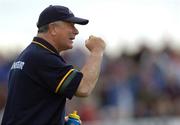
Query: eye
71, 24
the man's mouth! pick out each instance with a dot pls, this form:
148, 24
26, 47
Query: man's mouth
72, 38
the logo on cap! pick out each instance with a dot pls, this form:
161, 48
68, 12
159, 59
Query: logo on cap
70, 12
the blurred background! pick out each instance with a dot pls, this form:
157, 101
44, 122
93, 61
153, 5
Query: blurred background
139, 82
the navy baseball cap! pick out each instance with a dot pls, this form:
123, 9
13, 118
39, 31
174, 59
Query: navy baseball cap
55, 13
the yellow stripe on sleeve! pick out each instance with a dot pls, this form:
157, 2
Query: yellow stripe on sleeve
67, 74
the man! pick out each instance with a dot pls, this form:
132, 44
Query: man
40, 80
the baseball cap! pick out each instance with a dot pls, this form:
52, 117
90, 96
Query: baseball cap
55, 13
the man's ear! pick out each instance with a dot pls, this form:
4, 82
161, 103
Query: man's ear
52, 29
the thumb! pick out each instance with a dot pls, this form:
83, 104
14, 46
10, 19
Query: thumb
66, 118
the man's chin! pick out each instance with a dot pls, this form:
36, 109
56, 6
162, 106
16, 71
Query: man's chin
70, 46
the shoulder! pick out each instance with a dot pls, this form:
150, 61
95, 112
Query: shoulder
35, 54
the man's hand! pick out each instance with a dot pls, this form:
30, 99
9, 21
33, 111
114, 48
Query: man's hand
66, 119
95, 44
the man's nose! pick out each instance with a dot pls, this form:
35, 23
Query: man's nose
76, 32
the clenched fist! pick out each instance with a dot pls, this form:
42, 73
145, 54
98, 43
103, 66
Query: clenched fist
95, 44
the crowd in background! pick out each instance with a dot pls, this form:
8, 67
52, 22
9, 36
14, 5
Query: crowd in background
143, 84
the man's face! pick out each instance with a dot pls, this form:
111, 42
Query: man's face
65, 33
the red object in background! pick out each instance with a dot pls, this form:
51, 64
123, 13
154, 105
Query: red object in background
88, 113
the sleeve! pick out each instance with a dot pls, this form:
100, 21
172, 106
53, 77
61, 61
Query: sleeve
69, 83
64, 81
53, 73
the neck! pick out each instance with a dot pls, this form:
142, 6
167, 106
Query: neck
48, 39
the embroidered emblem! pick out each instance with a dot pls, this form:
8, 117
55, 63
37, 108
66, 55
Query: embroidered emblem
18, 65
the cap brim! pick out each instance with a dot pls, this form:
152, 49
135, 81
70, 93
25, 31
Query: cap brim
77, 20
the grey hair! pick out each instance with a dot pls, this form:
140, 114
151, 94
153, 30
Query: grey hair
43, 29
